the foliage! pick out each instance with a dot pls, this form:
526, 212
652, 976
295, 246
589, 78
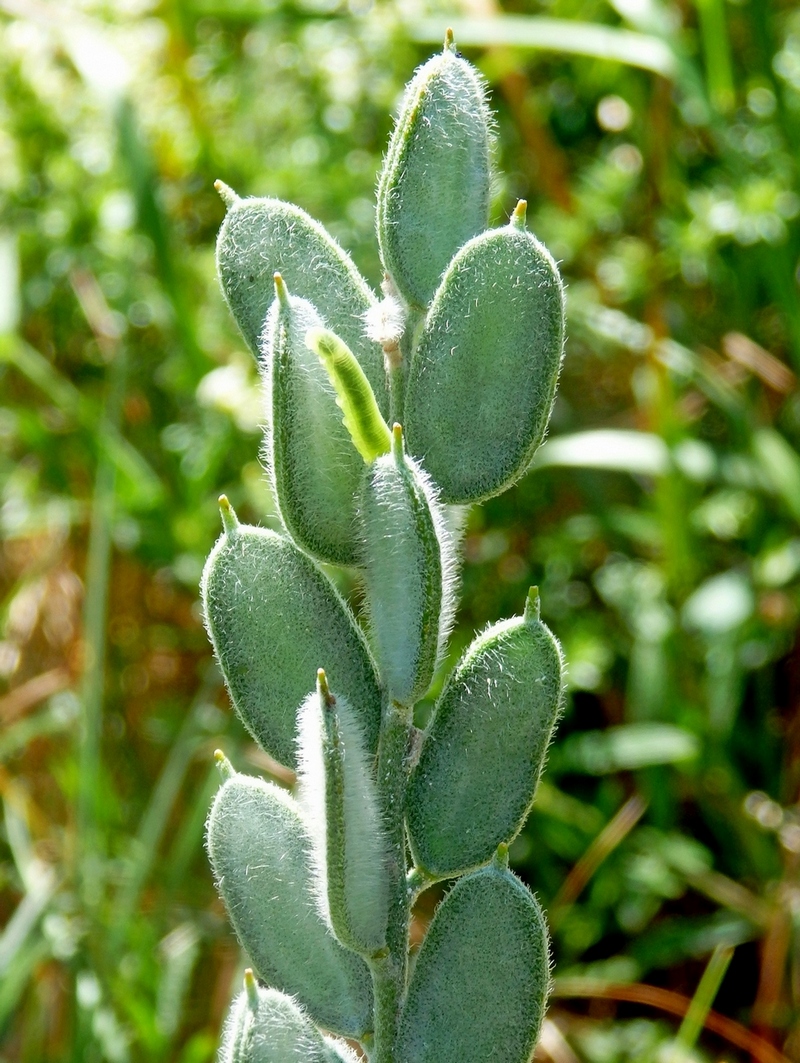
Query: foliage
665, 543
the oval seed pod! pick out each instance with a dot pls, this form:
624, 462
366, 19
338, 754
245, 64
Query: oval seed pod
482, 380
484, 749
339, 798
265, 1026
479, 987
273, 618
262, 237
409, 572
258, 846
434, 189
314, 468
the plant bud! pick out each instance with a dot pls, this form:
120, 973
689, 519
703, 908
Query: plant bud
480, 983
259, 849
482, 380
485, 747
434, 189
339, 798
274, 618
262, 237
409, 572
314, 469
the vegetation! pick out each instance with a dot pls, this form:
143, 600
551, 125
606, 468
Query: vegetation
660, 520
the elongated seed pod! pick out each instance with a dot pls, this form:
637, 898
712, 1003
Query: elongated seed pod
265, 1026
354, 395
339, 798
485, 747
259, 847
479, 987
434, 189
482, 380
314, 468
409, 572
274, 618
262, 237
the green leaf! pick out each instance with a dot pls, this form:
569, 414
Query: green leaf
315, 471
484, 749
434, 189
274, 618
482, 380
479, 987
258, 846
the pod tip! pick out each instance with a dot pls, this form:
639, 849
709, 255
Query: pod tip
251, 988
324, 690
533, 604
224, 766
449, 40
281, 291
230, 522
519, 214
229, 197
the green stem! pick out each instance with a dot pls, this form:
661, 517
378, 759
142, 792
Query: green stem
389, 971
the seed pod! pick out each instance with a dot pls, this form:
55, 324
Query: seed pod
483, 378
485, 746
314, 469
434, 189
262, 237
274, 618
339, 798
265, 1026
409, 572
259, 849
479, 987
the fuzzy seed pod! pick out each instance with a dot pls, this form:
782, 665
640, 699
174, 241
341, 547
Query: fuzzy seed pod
409, 572
314, 469
434, 189
479, 987
262, 237
259, 847
274, 618
485, 746
338, 795
482, 380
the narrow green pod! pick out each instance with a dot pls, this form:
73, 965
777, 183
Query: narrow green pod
479, 987
354, 395
258, 846
409, 572
265, 1026
339, 798
262, 237
313, 467
484, 749
434, 189
274, 618
483, 377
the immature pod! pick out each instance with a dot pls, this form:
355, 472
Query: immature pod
339, 797
273, 618
483, 377
409, 571
434, 189
258, 846
262, 237
265, 1026
484, 749
479, 987
315, 470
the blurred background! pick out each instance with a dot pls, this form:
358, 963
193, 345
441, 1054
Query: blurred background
656, 142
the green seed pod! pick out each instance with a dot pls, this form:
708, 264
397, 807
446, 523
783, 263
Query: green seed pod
485, 746
434, 189
262, 237
258, 846
479, 988
273, 618
354, 395
409, 572
265, 1026
483, 378
339, 798
314, 469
